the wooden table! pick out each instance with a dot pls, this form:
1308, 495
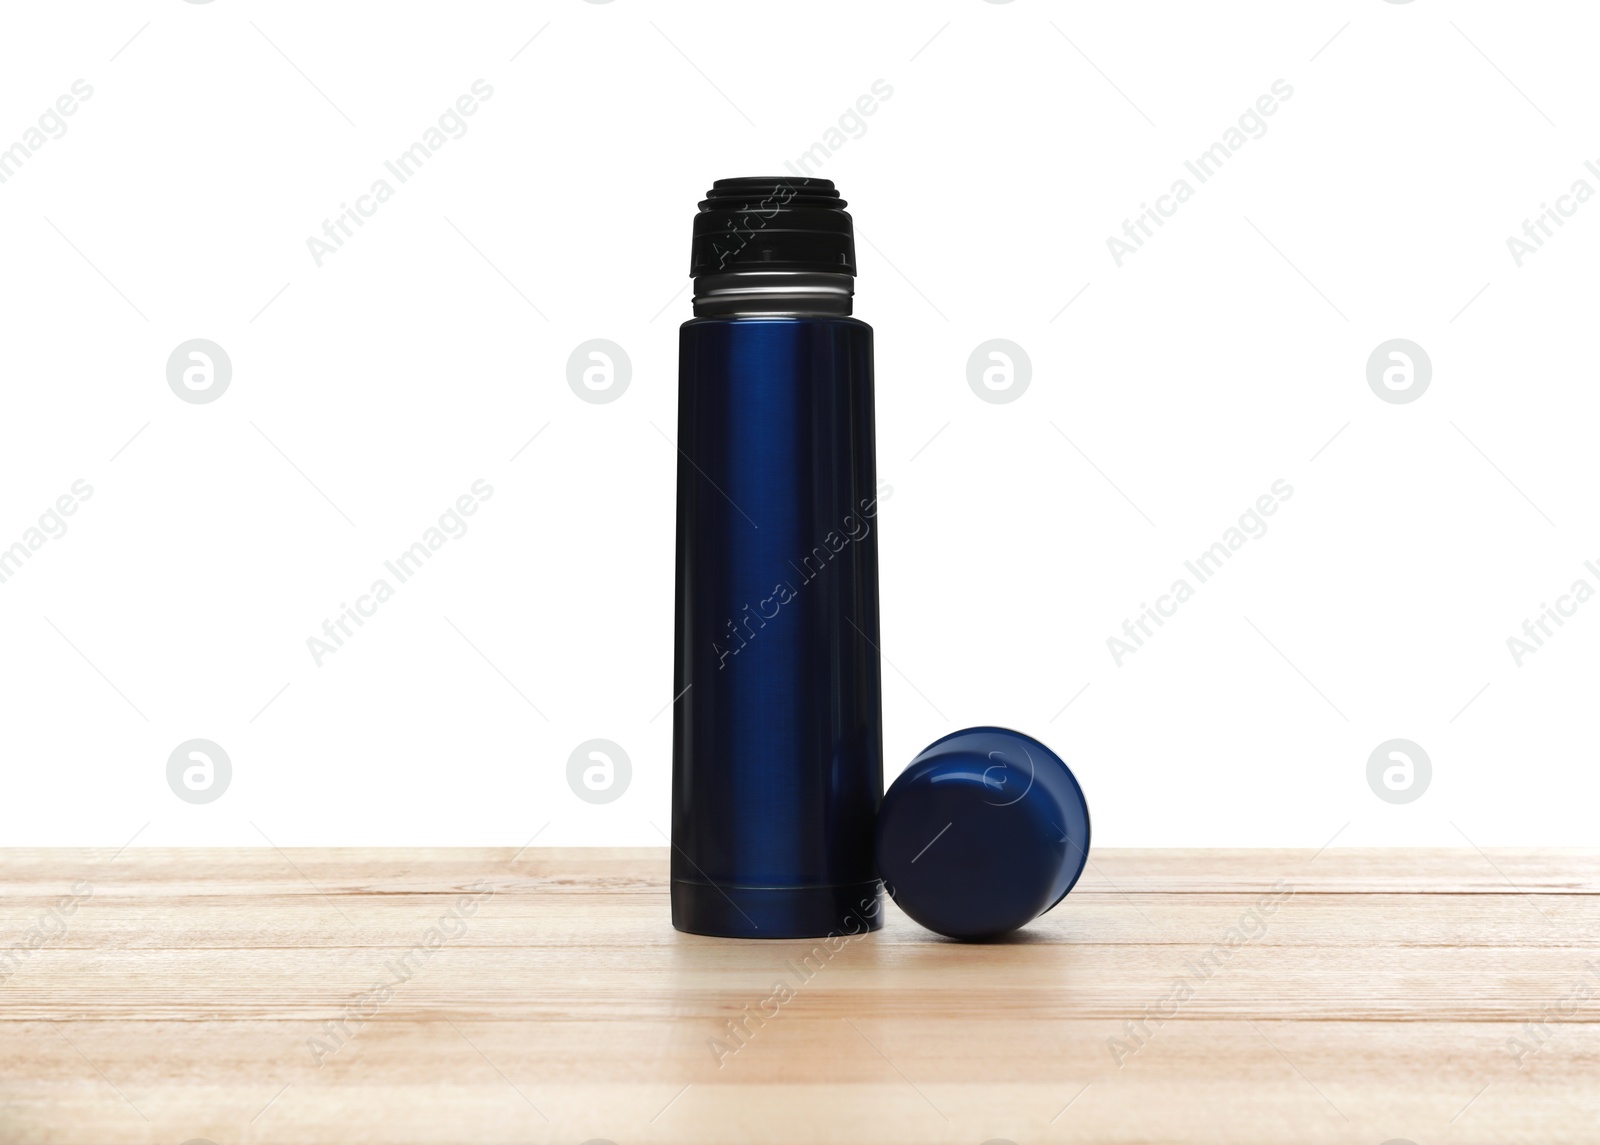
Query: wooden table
349, 996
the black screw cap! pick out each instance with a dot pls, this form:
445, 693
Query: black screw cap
773, 223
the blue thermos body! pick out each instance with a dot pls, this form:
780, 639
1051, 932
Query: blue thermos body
777, 768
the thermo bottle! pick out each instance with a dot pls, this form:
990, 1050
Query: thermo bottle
777, 767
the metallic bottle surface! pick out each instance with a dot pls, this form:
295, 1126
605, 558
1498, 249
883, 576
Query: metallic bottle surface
777, 745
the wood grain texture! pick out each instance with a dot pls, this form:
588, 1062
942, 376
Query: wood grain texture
431, 996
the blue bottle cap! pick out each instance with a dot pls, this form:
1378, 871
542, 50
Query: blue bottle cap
986, 830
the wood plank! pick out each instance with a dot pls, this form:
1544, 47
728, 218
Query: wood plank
1426, 995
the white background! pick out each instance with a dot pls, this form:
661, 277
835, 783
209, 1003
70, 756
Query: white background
370, 392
